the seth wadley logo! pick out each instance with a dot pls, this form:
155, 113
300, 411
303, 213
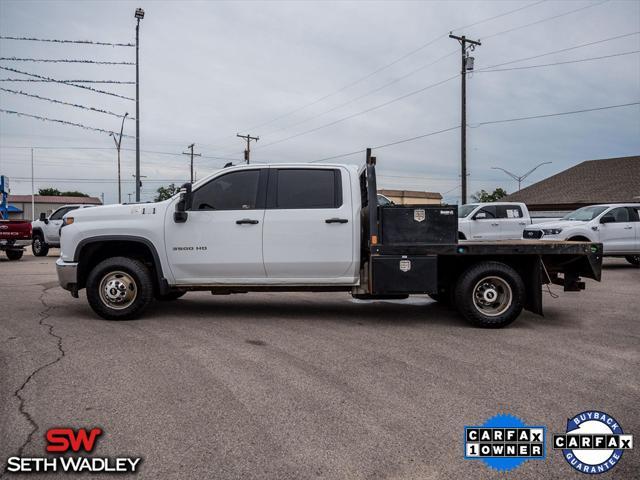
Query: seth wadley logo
67, 440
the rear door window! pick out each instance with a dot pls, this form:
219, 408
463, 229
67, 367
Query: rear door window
307, 189
509, 211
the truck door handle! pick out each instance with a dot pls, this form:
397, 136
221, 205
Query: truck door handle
336, 220
523, 223
495, 224
628, 228
246, 220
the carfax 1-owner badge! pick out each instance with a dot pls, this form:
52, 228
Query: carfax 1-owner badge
593, 442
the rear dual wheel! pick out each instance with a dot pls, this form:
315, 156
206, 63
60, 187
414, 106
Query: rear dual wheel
490, 294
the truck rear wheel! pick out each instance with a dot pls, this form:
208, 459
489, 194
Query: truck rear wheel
490, 295
14, 254
38, 246
119, 288
633, 260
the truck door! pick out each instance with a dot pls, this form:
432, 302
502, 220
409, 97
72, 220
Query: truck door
618, 235
485, 225
52, 229
511, 220
221, 241
635, 220
309, 225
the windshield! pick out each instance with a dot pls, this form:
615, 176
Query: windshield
465, 210
584, 214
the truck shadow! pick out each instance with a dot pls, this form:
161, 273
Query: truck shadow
334, 310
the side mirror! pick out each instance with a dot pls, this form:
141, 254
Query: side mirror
479, 215
184, 204
43, 217
607, 219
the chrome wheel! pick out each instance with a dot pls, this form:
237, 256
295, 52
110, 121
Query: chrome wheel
37, 245
118, 290
492, 296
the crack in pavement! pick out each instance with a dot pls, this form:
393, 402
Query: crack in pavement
44, 315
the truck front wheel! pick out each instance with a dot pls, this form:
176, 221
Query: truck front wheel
119, 288
490, 294
38, 246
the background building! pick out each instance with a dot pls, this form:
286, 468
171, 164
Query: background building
20, 205
610, 180
409, 197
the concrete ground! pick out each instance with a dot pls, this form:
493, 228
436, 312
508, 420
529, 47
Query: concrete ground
278, 386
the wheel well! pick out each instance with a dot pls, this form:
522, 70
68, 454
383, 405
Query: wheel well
89, 255
578, 238
36, 231
461, 236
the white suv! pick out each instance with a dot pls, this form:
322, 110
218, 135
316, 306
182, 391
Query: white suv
616, 226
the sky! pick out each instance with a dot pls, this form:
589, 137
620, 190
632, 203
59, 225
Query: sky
316, 80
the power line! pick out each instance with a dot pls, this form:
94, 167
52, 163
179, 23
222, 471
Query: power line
65, 83
375, 107
544, 20
390, 64
85, 42
55, 120
60, 102
48, 60
557, 63
490, 122
563, 50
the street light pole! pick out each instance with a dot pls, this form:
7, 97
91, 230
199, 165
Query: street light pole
139, 16
118, 144
520, 178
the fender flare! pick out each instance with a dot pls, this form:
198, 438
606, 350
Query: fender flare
163, 285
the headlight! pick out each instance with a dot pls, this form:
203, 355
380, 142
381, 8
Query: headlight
551, 231
67, 221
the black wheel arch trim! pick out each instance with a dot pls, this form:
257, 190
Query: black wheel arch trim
163, 284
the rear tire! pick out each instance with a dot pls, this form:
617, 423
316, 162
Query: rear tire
38, 246
167, 297
14, 254
119, 288
633, 260
490, 295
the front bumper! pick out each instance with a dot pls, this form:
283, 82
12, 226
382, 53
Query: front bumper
67, 275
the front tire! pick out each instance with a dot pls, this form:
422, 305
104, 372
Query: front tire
633, 260
39, 246
119, 288
14, 254
490, 295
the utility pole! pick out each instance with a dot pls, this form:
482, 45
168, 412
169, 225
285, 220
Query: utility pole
138, 185
247, 152
118, 144
33, 192
467, 64
190, 147
520, 178
139, 16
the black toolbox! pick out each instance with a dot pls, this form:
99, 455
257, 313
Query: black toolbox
418, 224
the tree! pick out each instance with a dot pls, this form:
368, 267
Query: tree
50, 191
166, 192
484, 196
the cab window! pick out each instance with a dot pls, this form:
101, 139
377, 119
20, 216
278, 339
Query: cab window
233, 191
619, 215
308, 188
58, 214
509, 211
486, 212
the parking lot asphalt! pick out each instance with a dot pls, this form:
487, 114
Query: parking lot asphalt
279, 385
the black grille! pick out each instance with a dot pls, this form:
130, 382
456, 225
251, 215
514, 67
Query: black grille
534, 234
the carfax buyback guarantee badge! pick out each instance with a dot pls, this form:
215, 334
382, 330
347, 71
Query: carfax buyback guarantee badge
504, 442
593, 442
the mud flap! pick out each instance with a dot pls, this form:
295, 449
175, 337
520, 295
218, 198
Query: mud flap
535, 277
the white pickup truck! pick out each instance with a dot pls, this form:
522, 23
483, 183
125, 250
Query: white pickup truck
616, 226
304, 227
494, 221
46, 230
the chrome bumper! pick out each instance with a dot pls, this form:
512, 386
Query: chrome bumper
67, 274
